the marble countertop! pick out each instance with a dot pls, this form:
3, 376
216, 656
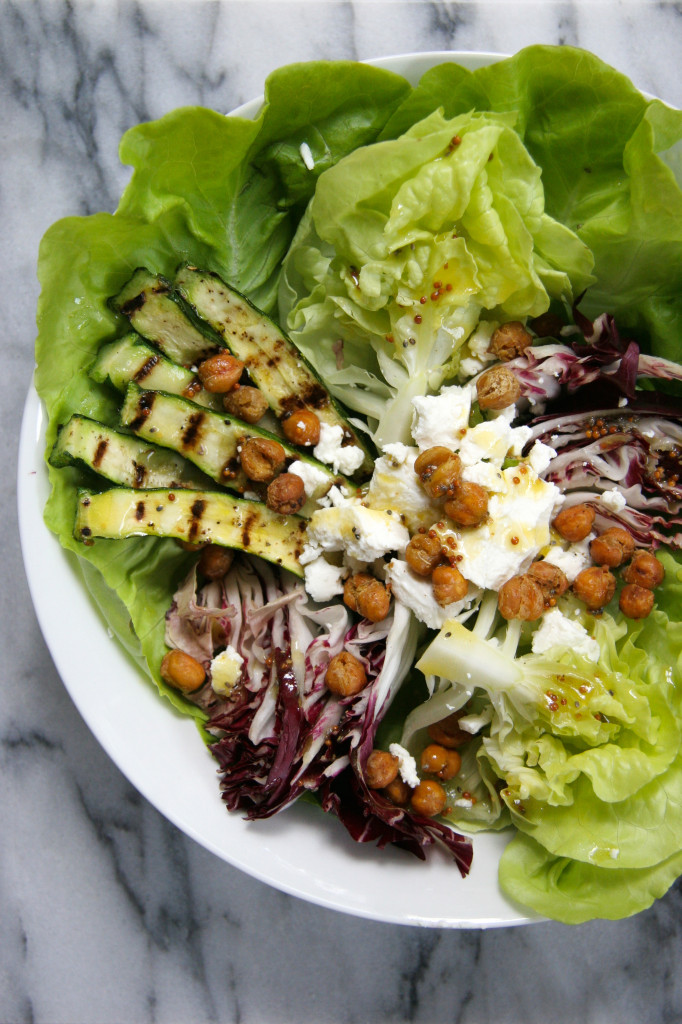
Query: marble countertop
107, 912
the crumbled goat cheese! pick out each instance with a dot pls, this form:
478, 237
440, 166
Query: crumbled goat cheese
323, 581
438, 419
416, 593
395, 485
516, 530
315, 481
306, 155
363, 533
622, 402
226, 669
330, 449
555, 630
613, 499
484, 474
540, 457
572, 559
407, 766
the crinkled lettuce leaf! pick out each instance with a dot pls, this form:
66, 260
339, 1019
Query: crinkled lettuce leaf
408, 242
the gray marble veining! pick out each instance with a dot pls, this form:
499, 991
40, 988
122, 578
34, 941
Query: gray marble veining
107, 912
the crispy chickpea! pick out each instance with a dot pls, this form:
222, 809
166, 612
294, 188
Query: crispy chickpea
438, 469
246, 403
398, 792
262, 459
636, 602
550, 578
220, 373
182, 671
510, 340
381, 769
595, 586
448, 733
286, 494
468, 506
448, 584
215, 561
345, 675
612, 547
521, 597
645, 570
497, 388
423, 554
574, 523
367, 596
428, 799
302, 427
440, 761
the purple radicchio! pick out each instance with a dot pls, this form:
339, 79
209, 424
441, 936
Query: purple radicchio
280, 731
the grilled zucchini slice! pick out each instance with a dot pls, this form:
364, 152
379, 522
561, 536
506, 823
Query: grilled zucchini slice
274, 363
121, 458
152, 307
130, 358
193, 516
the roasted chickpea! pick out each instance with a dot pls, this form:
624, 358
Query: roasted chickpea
521, 597
636, 602
574, 523
215, 561
398, 792
438, 760
468, 506
286, 494
595, 586
438, 469
497, 388
448, 584
345, 675
220, 373
262, 459
302, 427
182, 671
428, 799
612, 547
448, 733
510, 340
423, 554
246, 403
381, 769
550, 578
645, 570
367, 596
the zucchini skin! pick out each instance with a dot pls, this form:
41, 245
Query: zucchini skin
131, 359
120, 458
153, 308
274, 363
194, 516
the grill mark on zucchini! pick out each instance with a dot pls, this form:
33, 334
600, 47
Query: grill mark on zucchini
146, 369
100, 452
145, 403
132, 305
140, 511
192, 433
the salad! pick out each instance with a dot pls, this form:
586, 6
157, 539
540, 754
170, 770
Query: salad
415, 352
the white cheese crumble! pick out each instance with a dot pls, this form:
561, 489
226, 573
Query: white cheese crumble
323, 581
416, 593
226, 669
395, 485
363, 533
540, 457
572, 559
407, 766
485, 474
613, 499
330, 449
439, 419
306, 155
555, 630
315, 481
622, 402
